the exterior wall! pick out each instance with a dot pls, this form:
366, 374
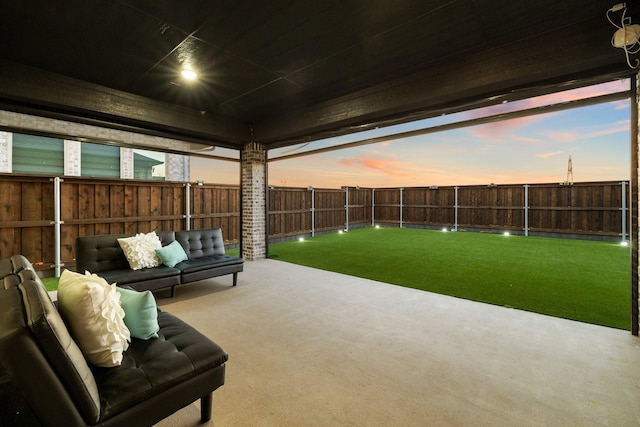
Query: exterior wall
126, 163
254, 180
5, 151
72, 158
25, 123
176, 167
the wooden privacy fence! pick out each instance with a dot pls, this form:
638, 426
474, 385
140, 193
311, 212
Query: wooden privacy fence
591, 209
296, 211
40, 217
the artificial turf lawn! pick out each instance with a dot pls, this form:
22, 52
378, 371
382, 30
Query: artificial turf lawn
51, 283
575, 279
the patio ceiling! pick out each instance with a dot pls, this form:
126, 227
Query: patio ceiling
284, 72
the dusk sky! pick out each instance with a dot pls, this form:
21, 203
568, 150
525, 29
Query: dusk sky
526, 150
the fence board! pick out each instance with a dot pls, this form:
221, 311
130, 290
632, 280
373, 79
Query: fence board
360, 206
290, 211
330, 209
216, 206
25, 211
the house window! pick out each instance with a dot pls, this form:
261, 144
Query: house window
148, 165
100, 160
37, 155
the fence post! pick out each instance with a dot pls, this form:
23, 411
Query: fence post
526, 210
455, 209
57, 200
401, 206
313, 211
187, 206
346, 208
373, 207
624, 211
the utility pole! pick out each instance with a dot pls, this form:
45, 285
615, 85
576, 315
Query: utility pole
569, 180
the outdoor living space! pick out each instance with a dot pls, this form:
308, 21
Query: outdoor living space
291, 123
315, 348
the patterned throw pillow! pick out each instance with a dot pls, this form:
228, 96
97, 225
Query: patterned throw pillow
140, 250
91, 309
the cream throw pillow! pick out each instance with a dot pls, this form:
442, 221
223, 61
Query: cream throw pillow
140, 250
91, 309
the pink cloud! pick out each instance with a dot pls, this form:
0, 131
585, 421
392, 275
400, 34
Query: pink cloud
571, 136
622, 105
497, 131
563, 136
388, 167
581, 93
617, 127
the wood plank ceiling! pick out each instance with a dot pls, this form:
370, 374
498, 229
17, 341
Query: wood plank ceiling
284, 72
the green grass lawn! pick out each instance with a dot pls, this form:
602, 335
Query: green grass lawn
574, 279
51, 283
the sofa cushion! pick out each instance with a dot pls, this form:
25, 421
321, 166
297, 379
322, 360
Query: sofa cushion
208, 262
140, 250
7, 278
171, 254
91, 308
150, 367
6, 269
140, 313
126, 276
99, 253
200, 243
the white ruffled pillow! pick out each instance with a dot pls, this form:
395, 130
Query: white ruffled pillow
91, 309
140, 250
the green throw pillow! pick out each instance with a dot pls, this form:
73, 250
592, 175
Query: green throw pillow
140, 313
171, 254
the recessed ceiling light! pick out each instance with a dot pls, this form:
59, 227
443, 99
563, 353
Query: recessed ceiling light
189, 74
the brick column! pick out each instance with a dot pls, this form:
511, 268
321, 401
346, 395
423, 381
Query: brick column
6, 144
176, 167
253, 166
126, 163
72, 158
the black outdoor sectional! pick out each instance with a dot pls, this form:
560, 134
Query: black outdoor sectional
204, 250
47, 376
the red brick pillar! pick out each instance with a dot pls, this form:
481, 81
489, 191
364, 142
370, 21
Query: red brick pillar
253, 167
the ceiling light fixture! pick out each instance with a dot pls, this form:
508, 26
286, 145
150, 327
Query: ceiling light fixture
189, 74
627, 36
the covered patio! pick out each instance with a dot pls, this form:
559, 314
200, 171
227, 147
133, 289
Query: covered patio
309, 347
314, 348
274, 76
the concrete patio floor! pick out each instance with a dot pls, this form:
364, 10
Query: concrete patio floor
314, 348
